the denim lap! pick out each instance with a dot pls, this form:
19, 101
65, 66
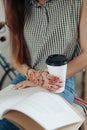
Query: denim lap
18, 79
69, 92
7, 125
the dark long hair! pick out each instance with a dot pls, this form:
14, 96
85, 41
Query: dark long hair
15, 17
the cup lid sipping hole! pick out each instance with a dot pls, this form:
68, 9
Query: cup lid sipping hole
56, 60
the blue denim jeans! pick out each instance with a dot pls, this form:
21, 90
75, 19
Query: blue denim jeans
68, 94
7, 125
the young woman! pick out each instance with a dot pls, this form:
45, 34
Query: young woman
39, 28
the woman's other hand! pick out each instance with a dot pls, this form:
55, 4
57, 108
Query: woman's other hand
44, 79
40, 78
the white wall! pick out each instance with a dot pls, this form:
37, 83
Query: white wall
2, 15
4, 46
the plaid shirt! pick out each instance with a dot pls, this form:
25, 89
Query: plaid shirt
51, 29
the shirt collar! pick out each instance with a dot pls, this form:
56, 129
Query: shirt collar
35, 3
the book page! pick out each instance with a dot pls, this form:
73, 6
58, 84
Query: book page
10, 97
48, 109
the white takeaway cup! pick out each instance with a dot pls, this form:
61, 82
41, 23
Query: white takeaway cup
57, 65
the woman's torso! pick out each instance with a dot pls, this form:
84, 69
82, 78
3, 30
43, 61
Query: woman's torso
51, 29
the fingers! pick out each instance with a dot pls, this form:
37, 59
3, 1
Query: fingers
53, 79
52, 88
23, 84
48, 81
42, 77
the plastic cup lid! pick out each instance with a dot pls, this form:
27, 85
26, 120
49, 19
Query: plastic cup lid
56, 60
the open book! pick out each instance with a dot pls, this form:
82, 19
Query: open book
49, 110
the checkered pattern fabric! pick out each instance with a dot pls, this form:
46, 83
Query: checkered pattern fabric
51, 29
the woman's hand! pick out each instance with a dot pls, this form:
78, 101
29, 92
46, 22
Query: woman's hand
44, 79
41, 78
24, 84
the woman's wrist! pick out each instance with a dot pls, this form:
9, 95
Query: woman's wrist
35, 76
27, 72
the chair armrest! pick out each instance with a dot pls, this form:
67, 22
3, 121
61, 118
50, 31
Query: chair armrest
82, 103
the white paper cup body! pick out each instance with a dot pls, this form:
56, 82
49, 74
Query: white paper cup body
59, 71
